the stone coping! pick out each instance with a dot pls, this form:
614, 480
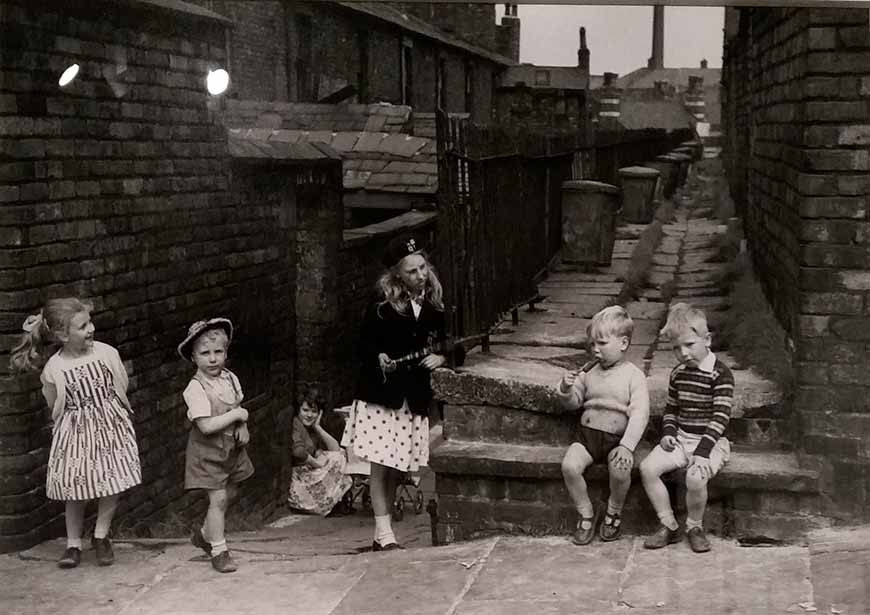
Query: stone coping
529, 384
749, 469
645, 172
587, 185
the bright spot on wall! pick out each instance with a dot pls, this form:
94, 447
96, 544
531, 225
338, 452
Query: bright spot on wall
217, 81
68, 75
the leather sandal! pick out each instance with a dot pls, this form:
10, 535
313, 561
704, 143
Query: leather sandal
611, 527
583, 535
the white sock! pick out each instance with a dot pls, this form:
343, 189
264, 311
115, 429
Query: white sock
74, 543
691, 523
669, 520
384, 530
218, 547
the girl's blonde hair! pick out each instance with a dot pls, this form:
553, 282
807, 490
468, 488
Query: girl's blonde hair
394, 292
683, 318
612, 320
40, 340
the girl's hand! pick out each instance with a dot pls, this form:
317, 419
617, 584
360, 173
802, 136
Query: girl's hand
701, 465
319, 418
386, 363
241, 414
433, 361
668, 443
242, 435
314, 462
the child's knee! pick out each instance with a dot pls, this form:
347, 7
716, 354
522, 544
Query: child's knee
619, 473
218, 498
695, 481
575, 462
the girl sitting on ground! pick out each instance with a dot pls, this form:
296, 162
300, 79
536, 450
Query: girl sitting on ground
318, 481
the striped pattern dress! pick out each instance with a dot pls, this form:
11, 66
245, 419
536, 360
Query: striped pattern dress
699, 405
93, 450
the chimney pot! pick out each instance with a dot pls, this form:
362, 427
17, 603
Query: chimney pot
704, 63
582, 37
609, 78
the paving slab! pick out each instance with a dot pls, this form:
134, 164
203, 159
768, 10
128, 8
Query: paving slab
671, 260
579, 307
701, 278
630, 231
579, 287
728, 579
581, 276
646, 310
670, 245
689, 293
657, 278
703, 303
700, 256
571, 295
539, 353
544, 329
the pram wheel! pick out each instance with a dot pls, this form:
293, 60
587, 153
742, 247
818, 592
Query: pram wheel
418, 503
399, 509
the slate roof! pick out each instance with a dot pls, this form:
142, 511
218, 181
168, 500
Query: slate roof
645, 78
375, 117
668, 114
559, 77
372, 161
412, 23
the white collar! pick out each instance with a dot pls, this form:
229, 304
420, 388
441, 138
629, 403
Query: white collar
708, 363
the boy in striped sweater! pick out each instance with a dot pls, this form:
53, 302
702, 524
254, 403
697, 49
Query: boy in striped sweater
696, 416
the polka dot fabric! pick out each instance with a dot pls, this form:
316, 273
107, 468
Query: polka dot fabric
392, 438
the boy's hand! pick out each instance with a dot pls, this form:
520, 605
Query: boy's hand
701, 465
668, 443
569, 378
242, 435
241, 414
621, 458
386, 363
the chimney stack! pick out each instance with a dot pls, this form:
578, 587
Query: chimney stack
583, 53
508, 33
609, 102
658, 39
704, 63
693, 100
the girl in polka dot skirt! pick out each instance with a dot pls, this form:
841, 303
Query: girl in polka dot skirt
389, 423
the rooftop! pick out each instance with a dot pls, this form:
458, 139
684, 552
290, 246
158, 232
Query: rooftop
559, 77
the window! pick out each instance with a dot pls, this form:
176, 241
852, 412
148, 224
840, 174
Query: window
407, 72
304, 58
440, 84
469, 87
542, 77
362, 79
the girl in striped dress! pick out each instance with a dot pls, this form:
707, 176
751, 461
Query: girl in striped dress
93, 453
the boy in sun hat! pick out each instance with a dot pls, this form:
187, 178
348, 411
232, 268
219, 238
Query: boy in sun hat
216, 459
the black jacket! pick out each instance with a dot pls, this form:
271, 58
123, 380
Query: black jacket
397, 334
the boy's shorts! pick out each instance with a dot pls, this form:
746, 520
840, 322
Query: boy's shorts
596, 442
213, 467
682, 453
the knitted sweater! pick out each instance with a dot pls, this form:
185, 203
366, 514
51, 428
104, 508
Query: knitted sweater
699, 404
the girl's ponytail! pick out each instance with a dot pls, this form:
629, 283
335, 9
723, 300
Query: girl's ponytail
29, 354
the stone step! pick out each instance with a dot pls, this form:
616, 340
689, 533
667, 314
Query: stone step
748, 469
482, 487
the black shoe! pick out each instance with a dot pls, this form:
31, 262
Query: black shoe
611, 527
198, 540
105, 554
71, 558
583, 535
663, 537
376, 546
224, 562
698, 540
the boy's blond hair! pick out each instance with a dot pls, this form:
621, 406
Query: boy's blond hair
612, 320
682, 319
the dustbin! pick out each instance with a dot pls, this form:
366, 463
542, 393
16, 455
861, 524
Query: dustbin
669, 170
638, 193
696, 147
589, 210
685, 162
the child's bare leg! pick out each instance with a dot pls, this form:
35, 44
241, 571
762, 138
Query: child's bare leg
382, 494
574, 464
620, 482
105, 513
659, 462
75, 521
696, 498
215, 520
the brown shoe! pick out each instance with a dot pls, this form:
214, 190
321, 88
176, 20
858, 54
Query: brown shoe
105, 554
663, 537
698, 540
198, 540
224, 562
611, 527
71, 558
583, 534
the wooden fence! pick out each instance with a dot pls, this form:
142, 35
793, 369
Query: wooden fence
500, 207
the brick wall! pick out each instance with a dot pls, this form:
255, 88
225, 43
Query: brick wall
472, 23
801, 172
117, 189
541, 108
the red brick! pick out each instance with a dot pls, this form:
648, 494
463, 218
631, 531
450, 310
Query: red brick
830, 255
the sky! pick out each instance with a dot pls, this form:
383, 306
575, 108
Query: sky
619, 38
